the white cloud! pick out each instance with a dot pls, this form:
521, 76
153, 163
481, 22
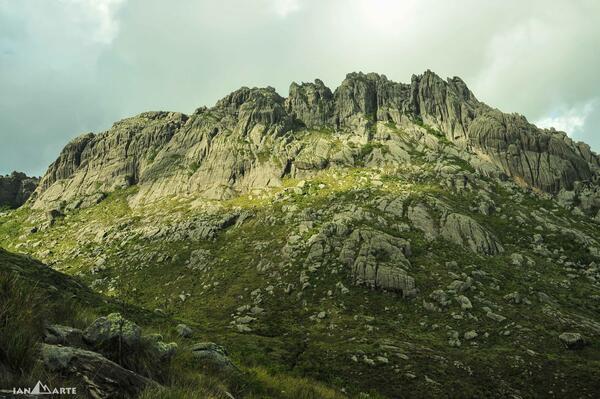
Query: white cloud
79, 65
283, 8
569, 120
386, 17
102, 16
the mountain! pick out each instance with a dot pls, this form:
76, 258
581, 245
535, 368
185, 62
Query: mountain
388, 240
16, 188
254, 138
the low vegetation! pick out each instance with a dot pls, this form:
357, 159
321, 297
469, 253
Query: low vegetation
263, 275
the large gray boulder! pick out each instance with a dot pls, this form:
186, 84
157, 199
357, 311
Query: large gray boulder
101, 377
421, 219
112, 328
572, 340
378, 260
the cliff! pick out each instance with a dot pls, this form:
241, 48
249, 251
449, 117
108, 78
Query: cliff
253, 138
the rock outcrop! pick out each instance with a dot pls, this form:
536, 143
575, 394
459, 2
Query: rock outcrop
310, 103
463, 230
378, 260
102, 377
16, 188
253, 138
544, 159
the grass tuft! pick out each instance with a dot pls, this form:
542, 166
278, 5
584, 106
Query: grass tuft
22, 314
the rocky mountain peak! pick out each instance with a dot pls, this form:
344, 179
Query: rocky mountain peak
256, 105
253, 137
311, 103
255, 97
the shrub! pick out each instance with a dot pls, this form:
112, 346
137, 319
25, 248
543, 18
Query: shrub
198, 387
22, 317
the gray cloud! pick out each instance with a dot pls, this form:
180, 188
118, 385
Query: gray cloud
71, 66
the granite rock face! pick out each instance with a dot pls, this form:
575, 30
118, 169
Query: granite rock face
310, 103
378, 260
463, 230
253, 138
16, 188
543, 159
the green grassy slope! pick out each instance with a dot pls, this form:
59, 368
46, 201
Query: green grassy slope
178, 256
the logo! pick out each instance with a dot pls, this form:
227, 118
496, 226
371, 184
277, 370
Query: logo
43, 389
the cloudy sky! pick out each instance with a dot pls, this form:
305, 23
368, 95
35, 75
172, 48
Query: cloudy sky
73, 66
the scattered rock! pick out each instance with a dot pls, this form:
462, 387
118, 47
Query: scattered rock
572, 340
517, 259
63, 335
465, 303
184, 331
164, 350
495, 316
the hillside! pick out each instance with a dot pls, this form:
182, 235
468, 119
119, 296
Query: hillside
55, 330
386, 239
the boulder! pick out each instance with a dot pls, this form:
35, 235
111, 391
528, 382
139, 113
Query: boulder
495, 316
184, 331
102, 378
63, 335
517, 259
464, 302
440, 297
378, 260
213, 357
572, 340
112, 328
420, 218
